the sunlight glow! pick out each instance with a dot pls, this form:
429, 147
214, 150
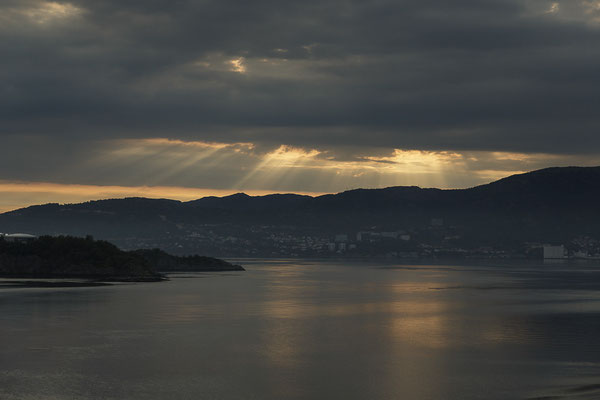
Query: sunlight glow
179, 150
14, 193
162, 161
48, 12
237, 65
554, 8
417, 160
279, 162
591, 6
184, 170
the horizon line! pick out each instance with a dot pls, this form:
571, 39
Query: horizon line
74, 193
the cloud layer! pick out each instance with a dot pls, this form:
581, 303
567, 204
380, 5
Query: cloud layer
352, 80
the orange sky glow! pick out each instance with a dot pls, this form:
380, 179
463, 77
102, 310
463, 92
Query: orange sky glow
22, 194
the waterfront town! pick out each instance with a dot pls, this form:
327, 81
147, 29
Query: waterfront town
433, 241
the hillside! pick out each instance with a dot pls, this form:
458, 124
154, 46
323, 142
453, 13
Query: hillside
73, 257
549, 205
164, 262
70, 257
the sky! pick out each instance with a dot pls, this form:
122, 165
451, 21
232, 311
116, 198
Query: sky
187, 98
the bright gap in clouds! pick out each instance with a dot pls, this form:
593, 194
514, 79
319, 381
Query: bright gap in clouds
246, 167
41, 13
241, 166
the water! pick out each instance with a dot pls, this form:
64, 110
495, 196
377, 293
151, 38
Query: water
310, 330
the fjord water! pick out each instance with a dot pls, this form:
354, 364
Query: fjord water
311, 330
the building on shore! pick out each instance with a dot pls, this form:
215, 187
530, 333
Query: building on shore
17, 237
554, 252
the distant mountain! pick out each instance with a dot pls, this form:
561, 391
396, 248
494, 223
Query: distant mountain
552, 204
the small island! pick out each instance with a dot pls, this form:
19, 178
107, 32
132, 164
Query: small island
164, 262
71, 257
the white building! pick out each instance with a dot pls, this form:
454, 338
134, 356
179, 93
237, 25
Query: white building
553, 252
17, 237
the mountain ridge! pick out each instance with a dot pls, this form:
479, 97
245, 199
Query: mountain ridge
235, 199
551, 204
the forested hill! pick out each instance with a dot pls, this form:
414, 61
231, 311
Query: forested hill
73, 257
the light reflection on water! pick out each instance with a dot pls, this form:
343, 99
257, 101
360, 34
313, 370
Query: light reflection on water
310, 330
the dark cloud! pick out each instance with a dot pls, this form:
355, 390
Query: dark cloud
510, 75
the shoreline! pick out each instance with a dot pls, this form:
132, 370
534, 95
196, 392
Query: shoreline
89, 278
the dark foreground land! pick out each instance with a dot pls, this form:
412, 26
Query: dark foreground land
70, 257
